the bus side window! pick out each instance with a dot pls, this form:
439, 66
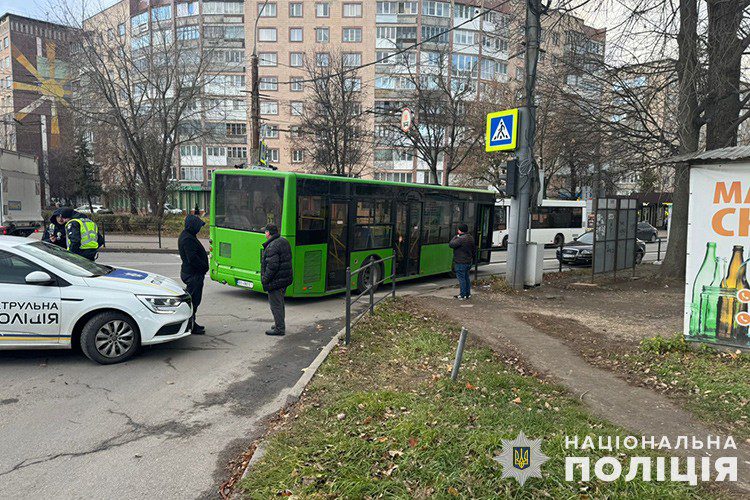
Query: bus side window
311, 222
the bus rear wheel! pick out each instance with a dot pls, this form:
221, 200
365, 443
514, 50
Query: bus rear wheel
372, 274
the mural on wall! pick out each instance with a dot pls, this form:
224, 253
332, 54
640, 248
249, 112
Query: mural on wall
50, 83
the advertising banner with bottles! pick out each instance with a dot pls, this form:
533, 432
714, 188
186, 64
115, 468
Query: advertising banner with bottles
717, 292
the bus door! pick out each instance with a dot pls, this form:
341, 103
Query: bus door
338, 246
408, 238
484, 233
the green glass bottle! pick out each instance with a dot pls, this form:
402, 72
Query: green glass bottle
703, 278
710, 300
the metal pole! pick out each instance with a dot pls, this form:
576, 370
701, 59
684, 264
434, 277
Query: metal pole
459, 353
393, 278
255, 98
560, 258
658, 251
526, 131
348, 305
372, 289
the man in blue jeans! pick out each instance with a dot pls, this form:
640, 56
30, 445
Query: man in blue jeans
463, 257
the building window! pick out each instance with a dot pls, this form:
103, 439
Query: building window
194, 174
296, 59
322, 35
267, 10
322, 9
297, 108
295, 34
187, 9
269, 108
297, 84
352, 59
464, 37
163, 13
120, 31
234, 32
269, 83
237, 152
267, 34
295, 9
298, 156
435, 34
216, 151
273, 155
322, 59
139, 20
268, 131
188, 33
353, 84
236, 129
351, 35
437, 9
352, 10
223, 7
267, 59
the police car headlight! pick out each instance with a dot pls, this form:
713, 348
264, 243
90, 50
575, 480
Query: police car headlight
161, 304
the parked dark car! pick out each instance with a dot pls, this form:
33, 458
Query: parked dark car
580, 250
646, 232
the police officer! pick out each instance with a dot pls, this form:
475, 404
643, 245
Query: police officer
54, 232
82, 233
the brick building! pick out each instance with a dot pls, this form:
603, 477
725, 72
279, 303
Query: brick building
34, 89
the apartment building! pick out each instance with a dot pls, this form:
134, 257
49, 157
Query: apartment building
481, 38
215, 32
34, 89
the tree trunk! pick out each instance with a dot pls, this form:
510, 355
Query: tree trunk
724, 65
673, 265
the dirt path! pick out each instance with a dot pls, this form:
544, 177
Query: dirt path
639, 410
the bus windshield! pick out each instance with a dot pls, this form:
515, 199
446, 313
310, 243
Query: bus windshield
248, 203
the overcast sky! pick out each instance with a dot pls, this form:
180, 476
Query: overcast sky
41, 9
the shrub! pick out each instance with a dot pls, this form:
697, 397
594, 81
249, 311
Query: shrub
664, 345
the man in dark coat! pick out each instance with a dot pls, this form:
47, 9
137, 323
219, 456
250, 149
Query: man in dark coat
463, 256
194, 264
276, 275
54, 231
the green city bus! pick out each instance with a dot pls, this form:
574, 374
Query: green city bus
336, 222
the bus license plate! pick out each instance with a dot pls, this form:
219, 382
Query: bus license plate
246, 284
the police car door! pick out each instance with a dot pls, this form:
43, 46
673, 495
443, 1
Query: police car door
29, 313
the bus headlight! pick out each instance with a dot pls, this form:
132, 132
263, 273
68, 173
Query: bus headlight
161, 304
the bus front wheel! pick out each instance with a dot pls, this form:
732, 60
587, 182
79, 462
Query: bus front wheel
372, 274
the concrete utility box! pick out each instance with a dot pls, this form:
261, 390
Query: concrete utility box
534, 264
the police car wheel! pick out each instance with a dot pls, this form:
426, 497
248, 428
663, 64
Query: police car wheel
110, 337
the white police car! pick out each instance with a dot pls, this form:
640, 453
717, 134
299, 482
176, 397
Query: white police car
50, 298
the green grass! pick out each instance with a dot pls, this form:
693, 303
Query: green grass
714, 385
382, 418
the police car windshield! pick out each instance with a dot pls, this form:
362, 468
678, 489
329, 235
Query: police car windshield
64, 261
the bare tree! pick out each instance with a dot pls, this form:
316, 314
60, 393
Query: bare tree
148, 86
442, 94
334, 127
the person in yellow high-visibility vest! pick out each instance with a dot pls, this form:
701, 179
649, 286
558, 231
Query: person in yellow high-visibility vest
82, 234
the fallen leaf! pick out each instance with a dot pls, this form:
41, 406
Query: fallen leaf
453, 491
413, 442
341, 416
471, 387
367, 420
395, 453
382, 439
517, 401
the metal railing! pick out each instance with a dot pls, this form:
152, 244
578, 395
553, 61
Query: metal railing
370, 292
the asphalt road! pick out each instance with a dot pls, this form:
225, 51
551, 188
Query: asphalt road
167, 422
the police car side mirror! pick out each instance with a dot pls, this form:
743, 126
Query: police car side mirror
38, 278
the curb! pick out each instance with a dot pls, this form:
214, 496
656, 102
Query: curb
292, 395
141, 250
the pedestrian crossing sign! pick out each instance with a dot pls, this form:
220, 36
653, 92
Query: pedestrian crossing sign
502, 131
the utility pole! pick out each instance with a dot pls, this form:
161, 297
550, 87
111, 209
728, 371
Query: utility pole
255, 94
519, 208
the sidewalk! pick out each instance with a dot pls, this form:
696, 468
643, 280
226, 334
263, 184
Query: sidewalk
138, 243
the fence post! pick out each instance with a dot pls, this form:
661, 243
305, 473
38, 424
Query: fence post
459, 353
658, 251
372, 288
560, 258
393, 277
158, 230
348, 305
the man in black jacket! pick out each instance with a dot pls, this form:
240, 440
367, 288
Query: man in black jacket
276, 275
463, 256
194, 264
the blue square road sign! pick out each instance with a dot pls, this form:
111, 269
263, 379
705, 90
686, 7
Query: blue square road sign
502, 131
